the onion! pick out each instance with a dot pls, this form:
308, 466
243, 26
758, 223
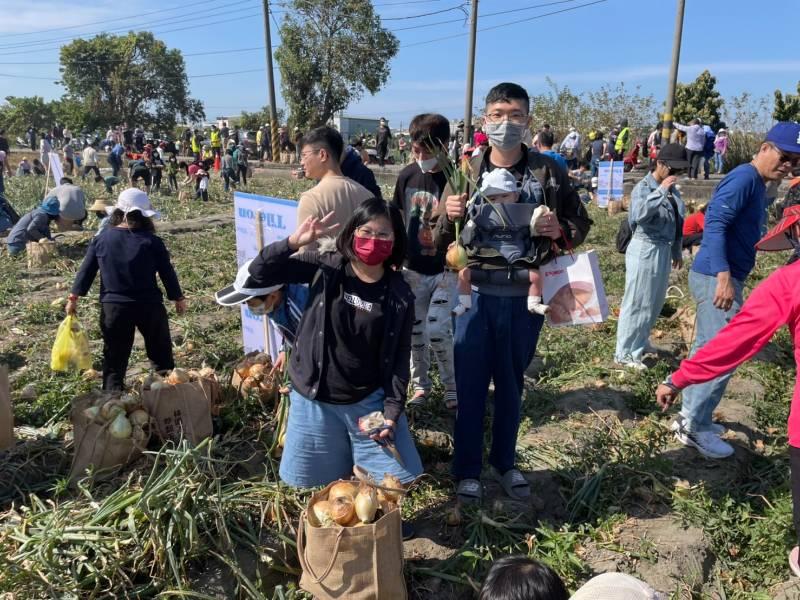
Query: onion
194, 375
262, 358
390, 481
91, 413
207, 373
158, 385
249, 383
139, 417
90, 374
139, 435
120, 427
111, 409
456, 257
343, 489
178, 376
129, 402
342, 510
257, 372
366, 503
354, 522
322, 512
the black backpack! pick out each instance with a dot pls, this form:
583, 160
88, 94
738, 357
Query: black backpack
624, 235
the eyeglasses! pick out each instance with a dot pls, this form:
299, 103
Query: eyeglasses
516, 117
306, 154
792, 159
366, 232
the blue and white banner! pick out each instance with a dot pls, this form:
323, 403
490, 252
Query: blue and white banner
610, 177
278, 220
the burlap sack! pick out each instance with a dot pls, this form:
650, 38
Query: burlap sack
96, 447
183, 410
357, 563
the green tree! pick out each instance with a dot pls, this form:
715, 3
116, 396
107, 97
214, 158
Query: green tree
131, 78
20, 112
699, 99
787, 108
331, 52
251, 121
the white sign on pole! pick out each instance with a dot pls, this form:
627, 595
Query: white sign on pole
55, 167
610, 175
278, 220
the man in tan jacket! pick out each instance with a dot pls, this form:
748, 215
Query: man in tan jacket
320, 152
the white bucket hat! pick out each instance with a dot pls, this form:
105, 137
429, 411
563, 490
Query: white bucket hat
134, 199
498, 181
616, 586
243, 288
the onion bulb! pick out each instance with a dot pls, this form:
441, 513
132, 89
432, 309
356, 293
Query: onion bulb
148, 381
390, 481
139, 435
322, 512
194, 375
91, 413
366, 503
257, 372
178, 376
90, 374
111, 409
456, 257
343, 489
129, 401
262, 358
139, 417
248, 384
342, 510
120, 427
158, 385
207, 373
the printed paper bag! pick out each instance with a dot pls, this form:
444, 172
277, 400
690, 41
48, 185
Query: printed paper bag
573, 288
182, 410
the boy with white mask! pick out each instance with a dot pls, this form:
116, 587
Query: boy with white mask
417, 193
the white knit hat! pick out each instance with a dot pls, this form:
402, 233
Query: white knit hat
616, 586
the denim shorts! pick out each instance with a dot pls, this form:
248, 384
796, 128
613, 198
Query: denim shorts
323, 443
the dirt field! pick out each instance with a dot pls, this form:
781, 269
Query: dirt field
612, 490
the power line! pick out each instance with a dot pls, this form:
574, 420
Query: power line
168, 21
458, 35
428, 14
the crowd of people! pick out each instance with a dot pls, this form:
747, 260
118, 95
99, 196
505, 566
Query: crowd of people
366, 296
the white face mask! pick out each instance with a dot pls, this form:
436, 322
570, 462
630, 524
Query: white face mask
427, 165
258, 311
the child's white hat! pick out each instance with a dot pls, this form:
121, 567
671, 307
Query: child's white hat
133, 199
498, 181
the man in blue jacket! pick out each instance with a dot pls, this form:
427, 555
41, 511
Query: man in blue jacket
735, 220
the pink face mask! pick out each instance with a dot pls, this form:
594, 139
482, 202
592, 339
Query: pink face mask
372, 251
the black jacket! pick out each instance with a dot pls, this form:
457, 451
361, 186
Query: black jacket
354, 168
277, 263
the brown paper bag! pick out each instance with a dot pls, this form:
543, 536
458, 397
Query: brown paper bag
96, 447
40, 254
183, 410
6, 413
357, 563
614, 207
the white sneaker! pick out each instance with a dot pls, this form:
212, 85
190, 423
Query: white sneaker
706, 443
636, 365
716, 428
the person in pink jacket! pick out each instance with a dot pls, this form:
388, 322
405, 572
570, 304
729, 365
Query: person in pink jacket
771, 305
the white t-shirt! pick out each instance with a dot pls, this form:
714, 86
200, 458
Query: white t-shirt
89, 157
203, 183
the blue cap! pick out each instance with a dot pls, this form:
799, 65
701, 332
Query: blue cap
51, 206
785, 136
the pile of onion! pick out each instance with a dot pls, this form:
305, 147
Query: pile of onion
255, 373
349, 504
124, 416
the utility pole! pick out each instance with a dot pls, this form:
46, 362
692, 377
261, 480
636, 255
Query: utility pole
666, 120
473, 30
273, 110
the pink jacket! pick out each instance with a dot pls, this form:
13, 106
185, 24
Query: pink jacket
774, 303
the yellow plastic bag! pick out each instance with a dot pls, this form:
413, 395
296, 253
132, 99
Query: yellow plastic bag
71, 348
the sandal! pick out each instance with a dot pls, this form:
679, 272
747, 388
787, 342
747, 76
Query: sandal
513, 483
469, 491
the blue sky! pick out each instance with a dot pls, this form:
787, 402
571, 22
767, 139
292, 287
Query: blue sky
606, 42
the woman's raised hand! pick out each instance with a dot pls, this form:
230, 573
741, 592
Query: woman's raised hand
311, 230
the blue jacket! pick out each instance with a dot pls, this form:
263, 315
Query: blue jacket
734, 222
286, 316
30, 228
354, 168
651, 215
